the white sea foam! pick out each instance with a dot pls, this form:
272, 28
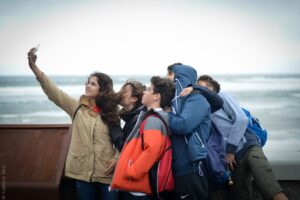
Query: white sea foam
295, 95
59, 113
257, 86
270, 105
37, 90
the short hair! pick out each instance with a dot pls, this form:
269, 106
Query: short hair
205, 78
211, 82
165, 88
137, 90
170, 67
216, 86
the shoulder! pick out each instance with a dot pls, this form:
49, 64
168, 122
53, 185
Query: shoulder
224, 95
153, 122
197, 98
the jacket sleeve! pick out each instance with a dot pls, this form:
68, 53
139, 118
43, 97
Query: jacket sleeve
56, 95
195, 109
154, 142
239, 119
116, 135
214, 100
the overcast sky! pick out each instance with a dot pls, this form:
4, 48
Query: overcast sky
144, 37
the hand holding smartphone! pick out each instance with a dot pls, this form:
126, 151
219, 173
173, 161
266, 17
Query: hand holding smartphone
34, 50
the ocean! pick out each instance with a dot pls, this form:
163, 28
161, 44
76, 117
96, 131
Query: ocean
274, 99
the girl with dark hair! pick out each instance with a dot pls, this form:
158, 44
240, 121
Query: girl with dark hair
91, 158
130, 98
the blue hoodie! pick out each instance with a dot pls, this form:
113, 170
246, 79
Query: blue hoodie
190, 123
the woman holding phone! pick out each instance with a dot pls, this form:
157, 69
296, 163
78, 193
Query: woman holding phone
91, 158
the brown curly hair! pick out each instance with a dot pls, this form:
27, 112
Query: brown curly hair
107, 101
137, 90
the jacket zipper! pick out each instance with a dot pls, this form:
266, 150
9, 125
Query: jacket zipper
202, 144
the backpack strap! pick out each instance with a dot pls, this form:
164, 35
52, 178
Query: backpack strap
142, 127
76, 111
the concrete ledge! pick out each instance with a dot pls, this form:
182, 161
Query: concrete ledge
286, 170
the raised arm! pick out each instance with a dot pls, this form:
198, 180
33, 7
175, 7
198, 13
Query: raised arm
212, 97
56, 95
193, 112
32, 62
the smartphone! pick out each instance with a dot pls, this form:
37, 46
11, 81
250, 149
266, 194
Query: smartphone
36, 48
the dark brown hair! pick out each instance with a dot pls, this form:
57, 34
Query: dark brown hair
137, 90
211, 82
165, 88
170, 67
107, 100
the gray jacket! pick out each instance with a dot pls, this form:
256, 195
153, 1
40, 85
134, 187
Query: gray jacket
232, 123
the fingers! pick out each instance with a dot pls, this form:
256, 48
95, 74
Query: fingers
232, 164
32, 50
31, 58
109, 170
230, 158
110, 167
31, 55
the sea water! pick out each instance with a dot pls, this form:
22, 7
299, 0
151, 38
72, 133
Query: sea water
274, 99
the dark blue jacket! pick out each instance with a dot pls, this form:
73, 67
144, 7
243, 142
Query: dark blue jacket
190, 123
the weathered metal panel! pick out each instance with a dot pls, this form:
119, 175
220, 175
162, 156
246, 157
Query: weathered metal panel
32, 160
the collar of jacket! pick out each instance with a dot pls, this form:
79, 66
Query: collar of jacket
129, 115
85, 103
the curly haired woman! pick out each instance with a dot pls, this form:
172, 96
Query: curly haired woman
91, 158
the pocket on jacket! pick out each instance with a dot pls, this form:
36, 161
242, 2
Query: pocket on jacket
104, 153
196, 147
75, 162
102, 157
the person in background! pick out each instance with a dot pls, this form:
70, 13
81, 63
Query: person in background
130, 98
190, 126
132, 171
244, 154
91, 158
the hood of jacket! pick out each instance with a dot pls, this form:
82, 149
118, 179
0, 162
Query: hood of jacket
185, 76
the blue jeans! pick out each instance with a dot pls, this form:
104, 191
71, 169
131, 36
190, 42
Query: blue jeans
94, 190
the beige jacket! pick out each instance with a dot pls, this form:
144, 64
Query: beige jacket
91, 146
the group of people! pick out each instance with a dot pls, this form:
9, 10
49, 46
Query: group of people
106, 158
